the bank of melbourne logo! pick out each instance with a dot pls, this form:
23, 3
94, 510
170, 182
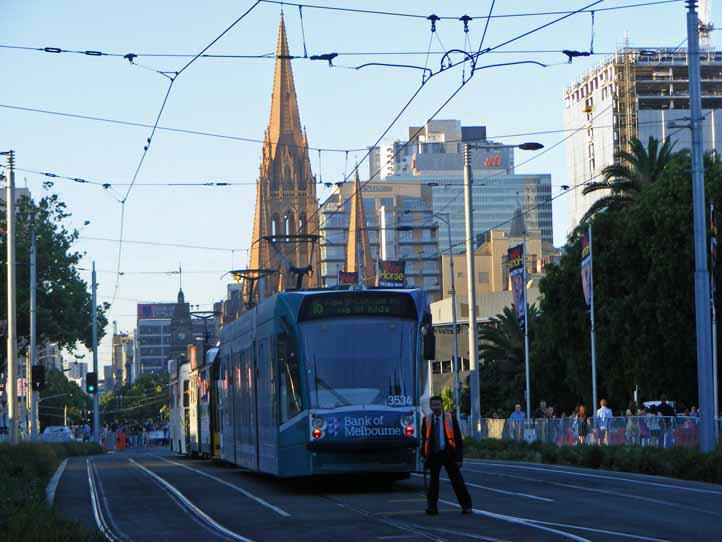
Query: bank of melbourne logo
332, 426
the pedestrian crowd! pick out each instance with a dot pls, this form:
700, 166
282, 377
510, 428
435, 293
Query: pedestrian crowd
120, 437
658, 424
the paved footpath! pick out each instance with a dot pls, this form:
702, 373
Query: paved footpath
152, 495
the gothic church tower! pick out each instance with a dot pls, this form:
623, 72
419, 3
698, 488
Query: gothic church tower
286, 190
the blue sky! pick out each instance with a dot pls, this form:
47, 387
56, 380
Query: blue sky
341, 108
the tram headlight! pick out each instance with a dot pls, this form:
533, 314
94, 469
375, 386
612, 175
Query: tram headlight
316, 433
409, 430
407, 420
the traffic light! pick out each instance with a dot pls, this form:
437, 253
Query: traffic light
91, 382
38, 377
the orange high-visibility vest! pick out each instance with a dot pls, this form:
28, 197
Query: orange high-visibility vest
448, 429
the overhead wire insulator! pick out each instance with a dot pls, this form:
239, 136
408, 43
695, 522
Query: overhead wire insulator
465, 19
433, 18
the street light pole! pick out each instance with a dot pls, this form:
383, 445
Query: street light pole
12, 346
457, 368
33, 335
94, 308
701, 275
471, 295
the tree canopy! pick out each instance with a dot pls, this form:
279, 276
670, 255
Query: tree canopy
644, 305
64, 303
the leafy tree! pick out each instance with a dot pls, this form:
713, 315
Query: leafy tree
145, 401
630, 172
61, 394
64, 304
447, 398
644, 298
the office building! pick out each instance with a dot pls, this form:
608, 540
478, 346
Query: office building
399, 226
638, 92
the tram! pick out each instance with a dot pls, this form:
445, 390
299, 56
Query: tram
315, 382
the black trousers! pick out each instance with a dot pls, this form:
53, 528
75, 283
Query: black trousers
434, 464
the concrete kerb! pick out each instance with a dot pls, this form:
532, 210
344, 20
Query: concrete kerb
53, 483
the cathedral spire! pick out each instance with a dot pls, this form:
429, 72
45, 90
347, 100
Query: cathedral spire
285, 123
358, 249
286, 206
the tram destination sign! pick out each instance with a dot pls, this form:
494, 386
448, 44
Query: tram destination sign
334, 305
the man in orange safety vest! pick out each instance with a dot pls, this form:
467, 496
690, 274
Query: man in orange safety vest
443, 446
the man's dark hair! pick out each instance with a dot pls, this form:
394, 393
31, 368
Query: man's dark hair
436, 398
663, 397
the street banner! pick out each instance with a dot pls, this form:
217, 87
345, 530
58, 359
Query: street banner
392, 274
347, 277
587, 267
515, 255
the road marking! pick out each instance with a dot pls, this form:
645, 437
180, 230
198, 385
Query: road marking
616, 533
588, 475
53, 484
495, 490
259, 500
97, 511
406, 500
521, 521
473, 536
396, 537
189, 505
596, 490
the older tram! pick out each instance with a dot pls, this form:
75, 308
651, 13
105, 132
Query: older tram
313, 382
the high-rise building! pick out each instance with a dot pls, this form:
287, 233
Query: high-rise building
286, 202
435, 158
638, 92
397, 216
153, 336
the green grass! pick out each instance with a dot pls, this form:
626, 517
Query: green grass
682, 463
25, 470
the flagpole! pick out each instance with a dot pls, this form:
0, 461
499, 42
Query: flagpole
591, 320
526, 331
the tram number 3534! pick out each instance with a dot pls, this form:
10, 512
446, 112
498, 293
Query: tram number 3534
399, 400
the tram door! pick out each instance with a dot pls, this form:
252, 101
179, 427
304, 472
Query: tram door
266, 400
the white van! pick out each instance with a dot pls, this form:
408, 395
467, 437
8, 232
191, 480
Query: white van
57, 433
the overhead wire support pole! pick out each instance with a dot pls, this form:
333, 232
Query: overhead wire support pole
471, 295
12, 346
94, 316
526, 329
595, 403
33, 361
701, 275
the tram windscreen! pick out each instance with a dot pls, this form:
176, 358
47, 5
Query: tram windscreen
360, 361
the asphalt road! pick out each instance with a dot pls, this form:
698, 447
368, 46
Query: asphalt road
152, 495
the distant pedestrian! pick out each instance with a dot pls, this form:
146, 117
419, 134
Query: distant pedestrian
541, 412
442, 446
581, 424
603, 420
516, 421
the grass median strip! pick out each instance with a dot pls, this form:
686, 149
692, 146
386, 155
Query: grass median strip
24, 513
681, 463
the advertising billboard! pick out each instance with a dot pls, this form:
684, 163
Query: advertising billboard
392, 274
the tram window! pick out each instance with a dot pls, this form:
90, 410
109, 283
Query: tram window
290, 381
186, 392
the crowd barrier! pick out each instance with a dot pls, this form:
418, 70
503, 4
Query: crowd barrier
655, 431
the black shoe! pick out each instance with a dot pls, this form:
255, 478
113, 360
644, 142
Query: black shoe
467, 511
432, 512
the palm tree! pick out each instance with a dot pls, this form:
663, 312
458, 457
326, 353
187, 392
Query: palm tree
631, 171
502, 339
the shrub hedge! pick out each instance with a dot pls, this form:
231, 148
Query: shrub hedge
682, 463
25, 470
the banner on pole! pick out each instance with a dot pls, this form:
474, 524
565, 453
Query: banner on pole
515, 256
347, 277
392, 274
587, 267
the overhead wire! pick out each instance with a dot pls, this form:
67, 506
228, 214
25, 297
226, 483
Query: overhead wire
468, 57
172, 79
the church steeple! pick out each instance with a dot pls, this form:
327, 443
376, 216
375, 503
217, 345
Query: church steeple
286, 202
285, 123
358, 249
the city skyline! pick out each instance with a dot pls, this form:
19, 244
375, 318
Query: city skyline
220, 217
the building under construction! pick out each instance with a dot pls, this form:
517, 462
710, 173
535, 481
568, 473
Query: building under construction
642, 93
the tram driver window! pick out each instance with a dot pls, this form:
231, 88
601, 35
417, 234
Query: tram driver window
290, 381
